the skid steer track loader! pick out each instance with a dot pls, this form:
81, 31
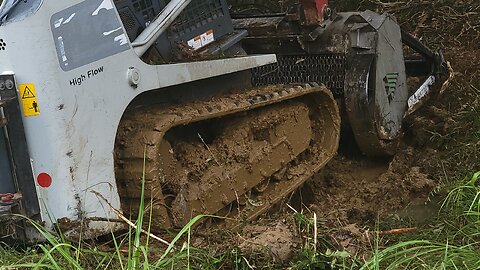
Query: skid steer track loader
220, 113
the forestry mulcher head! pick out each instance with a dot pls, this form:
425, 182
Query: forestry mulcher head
103, 99
359, 56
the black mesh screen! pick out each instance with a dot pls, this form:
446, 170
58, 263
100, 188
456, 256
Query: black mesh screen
328, 69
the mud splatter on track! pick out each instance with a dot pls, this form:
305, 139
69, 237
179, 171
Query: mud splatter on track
233, 153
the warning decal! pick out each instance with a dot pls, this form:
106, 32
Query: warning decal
201, 40
29, 100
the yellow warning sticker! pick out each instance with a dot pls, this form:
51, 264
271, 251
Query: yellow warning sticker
29, 99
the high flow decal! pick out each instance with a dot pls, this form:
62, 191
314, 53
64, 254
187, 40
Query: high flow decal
87, 75
29, 100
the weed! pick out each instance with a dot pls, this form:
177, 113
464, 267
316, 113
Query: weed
58, 253
461, 248
318, 253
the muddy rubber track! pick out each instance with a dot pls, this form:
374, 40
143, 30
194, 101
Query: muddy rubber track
234, 155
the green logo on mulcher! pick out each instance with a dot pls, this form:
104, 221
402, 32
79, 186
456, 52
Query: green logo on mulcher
391, 85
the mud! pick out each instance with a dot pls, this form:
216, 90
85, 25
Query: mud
231, 156
353, 198
353, 194
360, 191
236, 152
278, 241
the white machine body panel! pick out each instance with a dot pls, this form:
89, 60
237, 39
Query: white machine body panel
83, 85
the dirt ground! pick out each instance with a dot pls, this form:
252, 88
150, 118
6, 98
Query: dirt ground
350, 196
354, 195
357, 191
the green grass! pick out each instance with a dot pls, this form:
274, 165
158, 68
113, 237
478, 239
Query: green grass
459, 245
59, 253
451, 241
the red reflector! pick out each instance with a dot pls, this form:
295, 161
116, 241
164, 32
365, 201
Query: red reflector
44, 180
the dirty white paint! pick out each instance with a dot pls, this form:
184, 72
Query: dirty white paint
121, 39
58, 22
106, 4
61, 21
421, 93
112, 31
73, 139
69, 18
62, 50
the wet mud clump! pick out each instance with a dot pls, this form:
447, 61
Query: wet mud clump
358, 191
277, 241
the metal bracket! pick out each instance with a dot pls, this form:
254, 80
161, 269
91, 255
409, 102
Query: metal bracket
315, 11
21, 166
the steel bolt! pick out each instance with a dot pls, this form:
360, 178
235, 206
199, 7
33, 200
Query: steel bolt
9, 84
133, 77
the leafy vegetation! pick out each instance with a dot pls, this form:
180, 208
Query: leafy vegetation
450, 240
59, 253
454, 242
